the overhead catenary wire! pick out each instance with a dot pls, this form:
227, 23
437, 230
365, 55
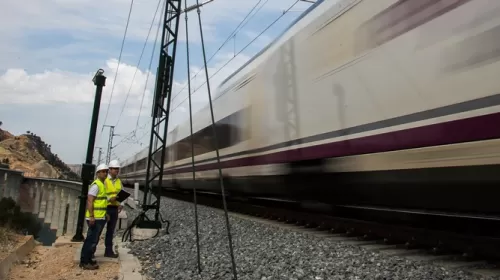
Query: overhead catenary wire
131, 137
136, 139
118, 65
247, 45
221, 181
139, 62
233, 33
195, 202
149, 67
244, 48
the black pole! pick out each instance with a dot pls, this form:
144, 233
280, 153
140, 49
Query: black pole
88, 169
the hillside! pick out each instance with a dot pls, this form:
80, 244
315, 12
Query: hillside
29, 153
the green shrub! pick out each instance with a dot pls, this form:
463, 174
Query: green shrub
12, 217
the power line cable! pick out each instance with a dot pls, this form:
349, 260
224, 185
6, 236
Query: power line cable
246, 46
139, 62
215, 141
131, 138
118, 66
233, 33
149, 67
137, 140
192, 147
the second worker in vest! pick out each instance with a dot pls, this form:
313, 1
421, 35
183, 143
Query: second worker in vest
113, 186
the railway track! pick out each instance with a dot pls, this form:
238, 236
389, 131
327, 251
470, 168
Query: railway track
479, 254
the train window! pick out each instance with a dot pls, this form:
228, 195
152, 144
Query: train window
229, 133
141, 164
127, 168
231, 130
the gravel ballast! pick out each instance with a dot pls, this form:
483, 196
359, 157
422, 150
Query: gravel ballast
265, 251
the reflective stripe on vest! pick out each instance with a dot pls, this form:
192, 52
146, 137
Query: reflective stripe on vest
113, 189
100, 202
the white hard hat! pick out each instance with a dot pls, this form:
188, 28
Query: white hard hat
114, 164
100, 167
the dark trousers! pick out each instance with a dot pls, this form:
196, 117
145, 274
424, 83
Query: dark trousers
110, 229
91, 240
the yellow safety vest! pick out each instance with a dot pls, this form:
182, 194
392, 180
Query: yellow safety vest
100, 202
113, 189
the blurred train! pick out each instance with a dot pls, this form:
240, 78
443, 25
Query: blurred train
388, 104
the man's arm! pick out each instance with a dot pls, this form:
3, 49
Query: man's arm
91, 196
90, 204
120, 208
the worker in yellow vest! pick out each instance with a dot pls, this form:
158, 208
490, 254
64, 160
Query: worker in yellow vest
97, 200
113, 187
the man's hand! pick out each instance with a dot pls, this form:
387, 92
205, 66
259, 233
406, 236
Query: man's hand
92, 221
107, 218
120, 208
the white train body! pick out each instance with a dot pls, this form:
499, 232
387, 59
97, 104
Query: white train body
370, 86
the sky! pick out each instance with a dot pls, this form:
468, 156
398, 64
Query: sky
51, 49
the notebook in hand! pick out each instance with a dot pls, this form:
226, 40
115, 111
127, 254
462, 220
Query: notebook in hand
122, 195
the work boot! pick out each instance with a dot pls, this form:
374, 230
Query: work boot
89, 266
110, 254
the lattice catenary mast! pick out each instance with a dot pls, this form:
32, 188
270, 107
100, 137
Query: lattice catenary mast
161, 111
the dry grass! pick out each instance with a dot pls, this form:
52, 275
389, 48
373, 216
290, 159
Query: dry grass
4, 235
56, 263
9, 241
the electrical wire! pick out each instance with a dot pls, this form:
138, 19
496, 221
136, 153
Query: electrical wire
149, 67
118, 66
131, 137
246, 46
241, 25
192, 146
133, 133
139, 62
233, 33
218, 70
269, 26
216, 142
127, 234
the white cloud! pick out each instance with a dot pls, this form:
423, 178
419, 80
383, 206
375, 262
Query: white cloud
22, 86
57, 86
109, 17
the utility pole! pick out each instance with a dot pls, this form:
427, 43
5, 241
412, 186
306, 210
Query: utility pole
161, 106
99, 155
160, 113
88, 169
110, 141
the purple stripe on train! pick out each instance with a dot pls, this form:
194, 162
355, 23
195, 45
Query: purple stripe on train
452, 132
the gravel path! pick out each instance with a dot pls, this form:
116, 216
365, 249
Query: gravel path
265, 252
